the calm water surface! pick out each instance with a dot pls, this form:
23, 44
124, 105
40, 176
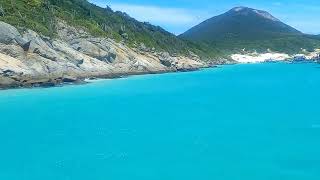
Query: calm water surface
241, 122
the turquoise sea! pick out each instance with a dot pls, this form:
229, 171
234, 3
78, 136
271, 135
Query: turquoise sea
239, 122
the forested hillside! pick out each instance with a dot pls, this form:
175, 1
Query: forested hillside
41, 16
250, 29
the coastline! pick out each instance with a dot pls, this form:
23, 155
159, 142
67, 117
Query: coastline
28, 59
67, 80
59, 81
274, 56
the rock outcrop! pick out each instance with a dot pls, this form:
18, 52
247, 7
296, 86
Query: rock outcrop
10, 34
29, 59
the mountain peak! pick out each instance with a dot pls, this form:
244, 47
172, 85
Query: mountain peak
242, 10
239, 8
240, 23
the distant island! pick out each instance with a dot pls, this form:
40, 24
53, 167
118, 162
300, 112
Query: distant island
49, 42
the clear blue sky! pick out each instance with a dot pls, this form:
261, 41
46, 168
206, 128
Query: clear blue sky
177, 16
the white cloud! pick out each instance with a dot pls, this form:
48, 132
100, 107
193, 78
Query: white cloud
158, 15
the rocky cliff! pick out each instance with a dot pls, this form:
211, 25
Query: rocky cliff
30, 59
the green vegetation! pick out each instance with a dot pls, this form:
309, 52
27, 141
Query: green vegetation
40, 16
30, 14
217, 38
252, 30
291, 44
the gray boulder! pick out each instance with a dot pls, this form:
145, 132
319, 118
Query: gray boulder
166, 59
9, 35
40, 45
94, 49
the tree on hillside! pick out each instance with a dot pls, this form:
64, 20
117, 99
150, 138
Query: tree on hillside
34, 3
1, 11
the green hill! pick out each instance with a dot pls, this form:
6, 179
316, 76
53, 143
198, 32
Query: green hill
251, 29
40, 15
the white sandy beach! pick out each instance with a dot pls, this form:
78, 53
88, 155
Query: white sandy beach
257, 58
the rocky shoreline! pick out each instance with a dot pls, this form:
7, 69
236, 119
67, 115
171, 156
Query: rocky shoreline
45, 82
28, 59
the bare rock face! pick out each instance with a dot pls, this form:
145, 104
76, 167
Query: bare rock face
31, 59
10, 34
69, 33
10, 65
166, 59
41, 46
91, 49
11, 71
13, 50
